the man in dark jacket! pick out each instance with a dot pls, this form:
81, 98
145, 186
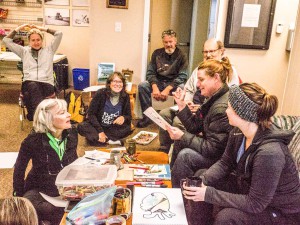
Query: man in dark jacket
167, 70
205, 138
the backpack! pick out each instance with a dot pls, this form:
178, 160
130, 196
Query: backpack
75, 107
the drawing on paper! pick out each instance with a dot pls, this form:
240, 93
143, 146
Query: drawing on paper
156, 204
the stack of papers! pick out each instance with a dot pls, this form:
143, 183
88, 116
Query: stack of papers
153, 171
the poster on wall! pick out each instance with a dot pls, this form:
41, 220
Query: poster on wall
80, 18
58, 17
57, 2
104, 70
80, 2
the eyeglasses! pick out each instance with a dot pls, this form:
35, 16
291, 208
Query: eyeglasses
210, 51
168, 32
117, 82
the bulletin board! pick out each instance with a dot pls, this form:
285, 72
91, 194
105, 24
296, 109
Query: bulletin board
249, 24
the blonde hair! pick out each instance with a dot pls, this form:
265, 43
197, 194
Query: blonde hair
35, 31
43, 116
17, 211
212, 66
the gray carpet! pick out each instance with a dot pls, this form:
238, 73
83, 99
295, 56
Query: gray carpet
11, 135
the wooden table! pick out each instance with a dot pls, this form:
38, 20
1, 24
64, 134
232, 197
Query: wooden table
149, 157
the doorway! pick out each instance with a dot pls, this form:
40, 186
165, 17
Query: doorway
193, 21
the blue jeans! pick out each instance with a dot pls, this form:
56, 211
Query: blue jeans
145, 91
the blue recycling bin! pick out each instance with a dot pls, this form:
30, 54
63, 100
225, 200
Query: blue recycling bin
81, 78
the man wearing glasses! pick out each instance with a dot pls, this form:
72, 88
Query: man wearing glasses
212, 49
166, 71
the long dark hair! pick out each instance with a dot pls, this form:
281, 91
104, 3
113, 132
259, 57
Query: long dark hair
111, 78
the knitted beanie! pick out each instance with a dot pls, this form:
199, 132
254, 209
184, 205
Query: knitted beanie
242, 104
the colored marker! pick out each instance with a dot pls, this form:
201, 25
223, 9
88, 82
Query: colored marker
155, 185
145, 183
138, 167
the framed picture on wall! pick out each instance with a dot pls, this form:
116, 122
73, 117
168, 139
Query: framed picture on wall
56, 16
80, 3
80, 18
57, 2
120, 4
104, 70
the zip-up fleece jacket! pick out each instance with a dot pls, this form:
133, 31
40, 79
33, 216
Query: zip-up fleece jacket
42, 69
265, 176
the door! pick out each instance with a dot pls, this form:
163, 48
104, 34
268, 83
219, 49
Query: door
190, 19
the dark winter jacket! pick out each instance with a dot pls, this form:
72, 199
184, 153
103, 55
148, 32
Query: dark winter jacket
165, 67
45, 163
96, 108
265, 175
211, 121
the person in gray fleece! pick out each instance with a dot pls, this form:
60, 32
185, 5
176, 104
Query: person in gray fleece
38, 79
256, 180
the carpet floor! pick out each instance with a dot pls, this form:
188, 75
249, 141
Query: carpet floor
11, 134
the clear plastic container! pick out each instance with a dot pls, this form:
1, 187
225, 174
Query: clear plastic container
78, 181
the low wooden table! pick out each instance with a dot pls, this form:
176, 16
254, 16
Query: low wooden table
148, 157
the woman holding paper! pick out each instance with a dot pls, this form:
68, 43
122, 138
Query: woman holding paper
109, 114
256, 180
51, 146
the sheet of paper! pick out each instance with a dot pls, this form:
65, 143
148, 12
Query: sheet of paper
8, 159
56, 201
126, 173
110, 142
158, 206
156, 118
96, 154
93, 88
250, 15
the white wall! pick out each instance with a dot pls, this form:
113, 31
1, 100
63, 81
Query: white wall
268, 68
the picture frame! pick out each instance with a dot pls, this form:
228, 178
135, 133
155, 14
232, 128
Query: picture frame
104, 70
120, 4
57, 16
80, 18
57, 2
127, 73
249, 25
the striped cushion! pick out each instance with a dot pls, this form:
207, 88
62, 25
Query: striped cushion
294, 145
285, 122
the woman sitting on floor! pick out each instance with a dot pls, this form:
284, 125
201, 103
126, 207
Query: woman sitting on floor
256, 180
109, 114
51, 147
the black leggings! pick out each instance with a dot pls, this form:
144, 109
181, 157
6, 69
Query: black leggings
45, 210
34, 92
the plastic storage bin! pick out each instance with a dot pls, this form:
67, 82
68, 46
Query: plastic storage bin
81, 78
75, 182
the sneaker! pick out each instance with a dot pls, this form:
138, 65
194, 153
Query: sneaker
144, 122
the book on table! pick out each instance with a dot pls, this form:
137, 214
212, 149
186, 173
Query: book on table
152, 171
158, 206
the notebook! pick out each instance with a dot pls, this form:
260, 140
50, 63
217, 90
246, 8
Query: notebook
158, 206
154, 171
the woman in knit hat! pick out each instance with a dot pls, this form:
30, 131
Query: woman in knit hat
255, 181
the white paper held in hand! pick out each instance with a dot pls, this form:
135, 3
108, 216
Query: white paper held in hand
156, 118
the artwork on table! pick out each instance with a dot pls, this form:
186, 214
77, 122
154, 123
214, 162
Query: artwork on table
57, 2
56, 16
104, 70
80, 2
158, 206
120, 4
81, 17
